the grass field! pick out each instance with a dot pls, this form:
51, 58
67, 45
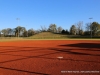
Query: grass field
49, 36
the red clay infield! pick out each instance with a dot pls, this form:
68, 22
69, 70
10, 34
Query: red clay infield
39, 57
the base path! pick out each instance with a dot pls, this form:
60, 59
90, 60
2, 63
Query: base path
50, 57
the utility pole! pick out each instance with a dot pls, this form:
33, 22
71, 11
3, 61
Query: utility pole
91, 26
18, 25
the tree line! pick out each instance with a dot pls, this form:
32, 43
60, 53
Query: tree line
16, 32
90, 29
77, 29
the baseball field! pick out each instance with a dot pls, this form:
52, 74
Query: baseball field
50, 57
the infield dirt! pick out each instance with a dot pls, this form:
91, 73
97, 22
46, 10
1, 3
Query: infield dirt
39, 57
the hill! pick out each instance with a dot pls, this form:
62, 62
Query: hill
48, 35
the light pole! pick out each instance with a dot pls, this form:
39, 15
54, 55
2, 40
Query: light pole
18, 26
91, 26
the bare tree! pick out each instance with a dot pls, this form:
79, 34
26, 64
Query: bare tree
19, 31
31, 32
4, 31
9, 32
79, 27
43, 29
88, 27
59, 29
52, 28
73, 30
